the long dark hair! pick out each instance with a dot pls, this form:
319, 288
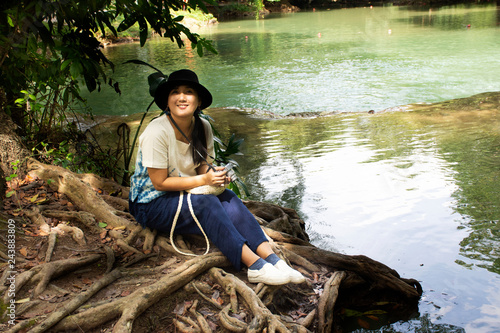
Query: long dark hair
198, 139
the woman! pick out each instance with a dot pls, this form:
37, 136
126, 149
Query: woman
174, 156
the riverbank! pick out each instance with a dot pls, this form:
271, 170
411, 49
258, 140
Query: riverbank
234, 9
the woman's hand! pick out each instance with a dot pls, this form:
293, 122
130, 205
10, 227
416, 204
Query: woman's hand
217, 177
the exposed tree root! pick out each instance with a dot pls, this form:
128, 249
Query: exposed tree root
203, 324
379, 275
262, 316
138, 268
79, 192
80, 217
76, 302
130, 307
44, 273
327, 302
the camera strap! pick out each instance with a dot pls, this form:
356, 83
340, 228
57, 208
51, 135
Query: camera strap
206, 189
210, 167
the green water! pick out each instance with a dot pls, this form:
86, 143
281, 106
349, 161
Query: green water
418, 191
363, 59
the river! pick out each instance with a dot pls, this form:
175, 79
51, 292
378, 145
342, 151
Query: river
417, 190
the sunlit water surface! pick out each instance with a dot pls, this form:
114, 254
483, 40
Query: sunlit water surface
340, 60
419, 193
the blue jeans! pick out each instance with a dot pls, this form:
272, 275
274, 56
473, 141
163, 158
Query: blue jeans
224, 218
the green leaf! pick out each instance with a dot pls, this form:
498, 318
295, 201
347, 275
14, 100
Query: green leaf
127, 22
199, 49
9, 20
143, 32
352, 313
65, 64
103, 225
90, 82
10, 193
76, 69
372, 312
105, 19
9, 178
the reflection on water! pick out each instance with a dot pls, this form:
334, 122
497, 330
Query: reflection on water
340, 60
418, 191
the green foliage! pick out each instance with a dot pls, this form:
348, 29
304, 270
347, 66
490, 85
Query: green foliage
197, 14
14, 167
12, 177
49, 49
223, 153
79, 157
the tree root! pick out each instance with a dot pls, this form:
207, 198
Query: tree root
145, 285
327, 302
209, 300
191, 327
79, 192
230, 323
51, 246
85, 218
38, 219
379, 275
76, 233
42, 274
68, 308
128, 308
204, 327
262, 316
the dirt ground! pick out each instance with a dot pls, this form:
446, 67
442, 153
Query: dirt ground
31, 247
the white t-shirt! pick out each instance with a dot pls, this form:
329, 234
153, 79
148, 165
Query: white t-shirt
158, 148
161, 150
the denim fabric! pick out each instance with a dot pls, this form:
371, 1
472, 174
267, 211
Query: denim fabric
224, 218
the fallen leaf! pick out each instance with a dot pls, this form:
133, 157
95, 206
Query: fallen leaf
103, 234
43, 233
363, 323
125, 293
87, 281
24, 300
24, 251
128, 254
41, 200
212, 325
179, 309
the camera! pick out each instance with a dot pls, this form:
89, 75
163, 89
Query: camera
230, 172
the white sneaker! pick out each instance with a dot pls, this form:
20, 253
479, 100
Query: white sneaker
268, 274
295, 276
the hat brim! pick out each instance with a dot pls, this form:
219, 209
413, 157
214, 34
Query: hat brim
163, 90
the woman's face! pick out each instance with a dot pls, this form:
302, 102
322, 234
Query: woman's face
183, 101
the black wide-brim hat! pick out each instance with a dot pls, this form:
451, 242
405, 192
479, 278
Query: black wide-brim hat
160, 87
